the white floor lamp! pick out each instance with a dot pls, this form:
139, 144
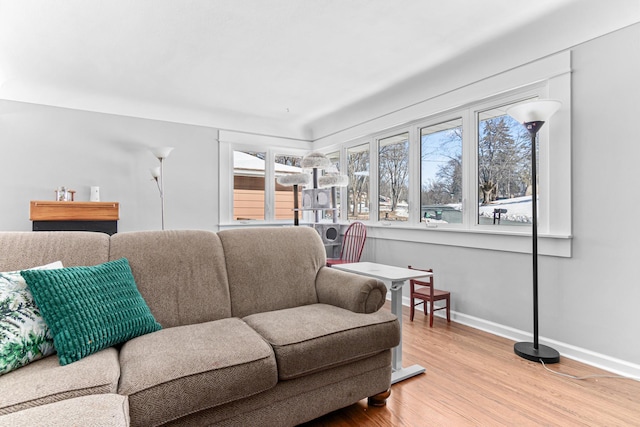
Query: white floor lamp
157, 173
533, 115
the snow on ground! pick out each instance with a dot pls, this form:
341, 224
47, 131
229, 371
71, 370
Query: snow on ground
518, 209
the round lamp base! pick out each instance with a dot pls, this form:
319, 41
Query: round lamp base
543, 353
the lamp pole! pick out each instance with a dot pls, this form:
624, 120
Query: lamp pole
162, 190
533, 115
533, 128
160, 153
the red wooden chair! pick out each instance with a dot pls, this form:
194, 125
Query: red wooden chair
352, 244
427, 293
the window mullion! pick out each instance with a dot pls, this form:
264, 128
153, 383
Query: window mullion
344, 193
543, 181
374, 181
226, 176
413, 198
269, 186
470, 168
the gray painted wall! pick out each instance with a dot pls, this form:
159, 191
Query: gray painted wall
45, 147
590, 300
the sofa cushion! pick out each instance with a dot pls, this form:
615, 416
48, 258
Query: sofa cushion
97, 410
21, 249
24, 335
45, 381
90, 308
178, 371
292, 402
181, 274
272, 268
311, 338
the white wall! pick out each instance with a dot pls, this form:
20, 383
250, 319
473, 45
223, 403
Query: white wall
589, 302
45, 147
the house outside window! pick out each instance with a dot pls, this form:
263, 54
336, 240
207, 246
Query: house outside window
285, 165
253, 200
248, 185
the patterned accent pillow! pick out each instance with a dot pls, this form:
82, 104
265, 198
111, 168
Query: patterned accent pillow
90, 308
24, 335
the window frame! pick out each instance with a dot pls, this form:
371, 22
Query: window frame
468, 114
547, 78
376, 145
550, 77
432, 121
324, 215
227, 181
344, 159
499, 102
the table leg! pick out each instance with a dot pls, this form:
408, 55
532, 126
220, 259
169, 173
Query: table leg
399, 373
396, 308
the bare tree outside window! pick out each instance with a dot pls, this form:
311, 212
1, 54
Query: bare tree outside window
288, 160
441, 172
393, 164
358, 172
504, 170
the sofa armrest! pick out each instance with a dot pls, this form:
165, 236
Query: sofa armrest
351, 291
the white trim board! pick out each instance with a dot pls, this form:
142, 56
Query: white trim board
602, 361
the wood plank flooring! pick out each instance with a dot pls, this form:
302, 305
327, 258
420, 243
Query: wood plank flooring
473, 378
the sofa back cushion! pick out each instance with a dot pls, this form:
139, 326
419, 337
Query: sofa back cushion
272, 268
23, 250
181, 274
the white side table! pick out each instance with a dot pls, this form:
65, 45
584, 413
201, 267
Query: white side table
397, 276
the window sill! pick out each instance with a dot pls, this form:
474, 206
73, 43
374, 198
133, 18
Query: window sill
254, 223
497, 240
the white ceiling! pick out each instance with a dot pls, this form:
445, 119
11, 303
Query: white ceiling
274, 67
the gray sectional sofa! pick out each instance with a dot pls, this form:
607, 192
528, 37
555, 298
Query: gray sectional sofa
256, 330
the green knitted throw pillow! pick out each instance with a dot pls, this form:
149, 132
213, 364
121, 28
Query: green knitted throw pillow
90, 308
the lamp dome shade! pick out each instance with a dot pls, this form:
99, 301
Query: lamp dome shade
161, 152
155, 172
534, 111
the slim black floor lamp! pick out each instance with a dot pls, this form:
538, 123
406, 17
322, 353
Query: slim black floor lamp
533, 115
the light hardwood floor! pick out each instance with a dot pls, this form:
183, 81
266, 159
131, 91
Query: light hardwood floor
473, 378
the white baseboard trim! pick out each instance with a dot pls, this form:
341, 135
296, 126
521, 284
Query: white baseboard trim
602, 361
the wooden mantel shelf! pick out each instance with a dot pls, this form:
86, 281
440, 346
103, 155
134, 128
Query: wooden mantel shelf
41, 210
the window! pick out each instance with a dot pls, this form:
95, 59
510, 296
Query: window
358, 190
455, 161
285, 165
504, 169
393, 184
441, 172
251, 185
334, 157
491, 164
248, 185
